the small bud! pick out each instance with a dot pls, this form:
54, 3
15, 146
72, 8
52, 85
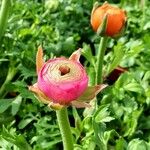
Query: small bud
116, 19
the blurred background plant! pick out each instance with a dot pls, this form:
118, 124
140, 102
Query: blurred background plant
61, 26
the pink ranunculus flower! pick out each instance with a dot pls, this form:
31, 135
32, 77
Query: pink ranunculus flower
62, 82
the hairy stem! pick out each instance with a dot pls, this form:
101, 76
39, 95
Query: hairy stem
64, 125
100, 58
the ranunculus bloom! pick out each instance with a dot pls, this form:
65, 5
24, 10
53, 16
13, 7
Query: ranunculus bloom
116, 19
63, 81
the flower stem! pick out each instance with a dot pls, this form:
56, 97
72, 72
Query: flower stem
4, 12
101, 52
11, 73
64, 125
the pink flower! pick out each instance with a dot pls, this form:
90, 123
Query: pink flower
63, 81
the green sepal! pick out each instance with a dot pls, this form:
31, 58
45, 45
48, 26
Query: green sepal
91, 92
102, 27
95, 6
39, 94
79, 104
55, 106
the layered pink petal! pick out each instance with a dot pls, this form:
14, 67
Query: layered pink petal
62, 80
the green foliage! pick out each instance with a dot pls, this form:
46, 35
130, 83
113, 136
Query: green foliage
138, 145
117, 57
102, 114
13, 103
122, 120
13, 140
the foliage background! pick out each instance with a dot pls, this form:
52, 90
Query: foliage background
61, 26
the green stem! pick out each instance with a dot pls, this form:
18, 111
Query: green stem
100, 58
64, 125
143, 4
11, 73
4, 13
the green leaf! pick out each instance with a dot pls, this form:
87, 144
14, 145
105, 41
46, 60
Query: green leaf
16, 105
103, 114
121, 144
4, 104
48, 145
99, 130
117, 57
137, 144
68, 44
122, 80
132, 122
146, 76
78, 122
5, 145
135, 48
87, 53
18, 140
134, 87
23, 123
108, 134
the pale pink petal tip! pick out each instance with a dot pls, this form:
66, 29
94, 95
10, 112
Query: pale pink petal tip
39, 59
76, 55
100, 88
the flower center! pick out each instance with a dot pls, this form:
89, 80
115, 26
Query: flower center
64, 70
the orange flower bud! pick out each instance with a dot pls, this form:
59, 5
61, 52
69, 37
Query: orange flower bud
116, 19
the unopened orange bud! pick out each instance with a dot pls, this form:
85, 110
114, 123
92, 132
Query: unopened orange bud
116, 19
